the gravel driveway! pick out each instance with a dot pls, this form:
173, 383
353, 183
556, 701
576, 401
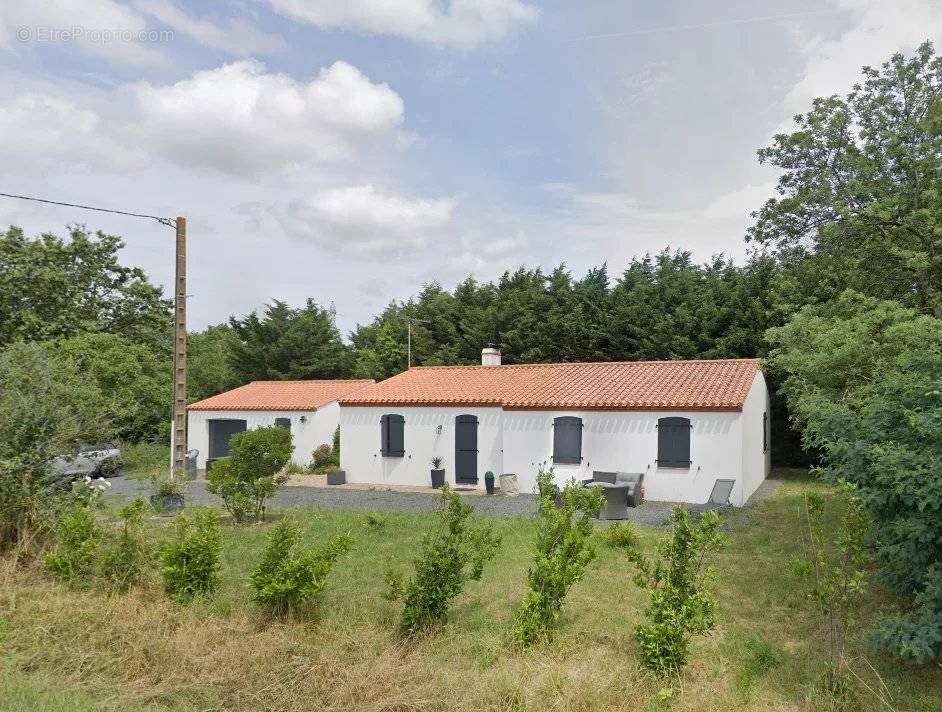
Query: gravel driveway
650, 513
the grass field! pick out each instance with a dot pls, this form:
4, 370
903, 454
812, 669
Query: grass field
67, 651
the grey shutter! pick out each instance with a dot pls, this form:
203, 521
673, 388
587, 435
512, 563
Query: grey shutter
673, 442
765, 432
392, 429
567, 440
283, 423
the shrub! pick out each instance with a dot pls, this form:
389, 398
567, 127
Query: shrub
75, 558
453, 552
375, 521
125, 556
287, 580
335, 450
564, 548
861, 378
621, 535
322, 456
190, 561
681, 601
251, 474
834, 566
46, 403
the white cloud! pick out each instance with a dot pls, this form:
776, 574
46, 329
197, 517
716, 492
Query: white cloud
101, 27
739, 203
239, 119
458, 23
236, 36
877, 30
364, 222
41, 130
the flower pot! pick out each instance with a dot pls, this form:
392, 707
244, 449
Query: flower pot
167, 504
438, 478
489, 482
336, 477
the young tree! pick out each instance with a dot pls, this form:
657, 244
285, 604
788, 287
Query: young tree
860, 201
453, 552
252, 473
564, 548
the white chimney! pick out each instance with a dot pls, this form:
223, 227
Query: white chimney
490, 356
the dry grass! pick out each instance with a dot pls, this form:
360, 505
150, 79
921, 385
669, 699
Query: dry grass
141, 652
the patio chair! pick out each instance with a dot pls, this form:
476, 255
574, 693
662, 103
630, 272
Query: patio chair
599, 476
719, 497
634, 481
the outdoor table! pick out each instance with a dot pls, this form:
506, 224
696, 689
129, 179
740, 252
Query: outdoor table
616, 500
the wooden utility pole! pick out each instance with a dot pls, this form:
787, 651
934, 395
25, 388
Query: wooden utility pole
178, 433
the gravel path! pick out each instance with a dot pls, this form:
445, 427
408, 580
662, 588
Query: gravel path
650, 513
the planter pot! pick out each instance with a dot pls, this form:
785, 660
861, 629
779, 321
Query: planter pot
337, 477
167, 504
508, 485
489, 482
438, 478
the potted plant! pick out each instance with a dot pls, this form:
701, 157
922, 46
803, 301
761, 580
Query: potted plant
336, 476
489, 482
438, 474
168, 493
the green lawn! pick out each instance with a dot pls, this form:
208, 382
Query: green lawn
85, 651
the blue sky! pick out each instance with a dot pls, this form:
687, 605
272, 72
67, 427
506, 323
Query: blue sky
353, 151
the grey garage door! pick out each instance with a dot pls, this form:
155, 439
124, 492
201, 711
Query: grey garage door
220, 433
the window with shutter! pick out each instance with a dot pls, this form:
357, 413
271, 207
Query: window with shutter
765, 432
567, 440
392, 435
283, 423
673, 442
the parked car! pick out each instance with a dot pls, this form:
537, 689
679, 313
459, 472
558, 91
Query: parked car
90, 460
106, 456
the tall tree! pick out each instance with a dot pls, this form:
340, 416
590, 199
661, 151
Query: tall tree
860, 196
288, 343
209, 362
52, 288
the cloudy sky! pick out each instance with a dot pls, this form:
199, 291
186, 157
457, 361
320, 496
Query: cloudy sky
352, 151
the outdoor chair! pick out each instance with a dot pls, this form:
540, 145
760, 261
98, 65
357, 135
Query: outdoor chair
719, 497
634, 481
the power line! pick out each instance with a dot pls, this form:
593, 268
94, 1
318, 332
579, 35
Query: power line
169, 222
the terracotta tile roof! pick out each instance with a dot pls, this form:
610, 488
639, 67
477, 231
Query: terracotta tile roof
281, 395
624, 385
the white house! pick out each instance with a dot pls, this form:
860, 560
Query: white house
309, 409
684, 424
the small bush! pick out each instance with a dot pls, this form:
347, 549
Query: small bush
564, 548
252, 473
322, 456
760, 656
681, 601
620, 535
75, 558
454, 552
375, 521
190, 561
287, 580
126, 554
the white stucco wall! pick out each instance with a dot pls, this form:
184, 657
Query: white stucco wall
362, 461
756, 462
627, 441
306, 436
520, 441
